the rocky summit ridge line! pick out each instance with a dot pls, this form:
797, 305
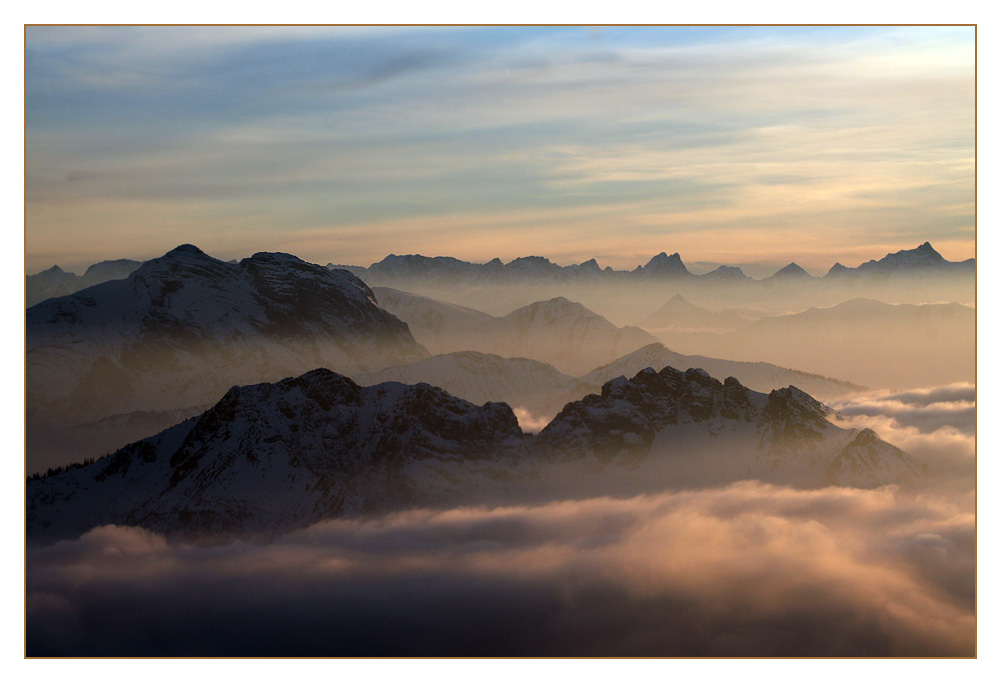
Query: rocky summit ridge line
269, 458
923, 260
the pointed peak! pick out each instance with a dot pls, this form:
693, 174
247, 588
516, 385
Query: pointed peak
927, 250
55, 270
677, 299
925, 253
792, 270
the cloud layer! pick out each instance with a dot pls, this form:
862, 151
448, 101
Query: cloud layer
743, 570
936, 425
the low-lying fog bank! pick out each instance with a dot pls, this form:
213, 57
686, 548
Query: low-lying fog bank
748, 569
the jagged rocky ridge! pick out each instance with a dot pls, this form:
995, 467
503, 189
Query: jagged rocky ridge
542, 390
657, 419
415, 267
272, 457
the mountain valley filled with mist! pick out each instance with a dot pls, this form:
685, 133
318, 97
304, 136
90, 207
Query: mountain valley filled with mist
521, 341
207, 402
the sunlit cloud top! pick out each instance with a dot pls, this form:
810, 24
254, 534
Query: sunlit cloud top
343, 144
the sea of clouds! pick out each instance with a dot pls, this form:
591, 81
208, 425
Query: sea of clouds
745, 569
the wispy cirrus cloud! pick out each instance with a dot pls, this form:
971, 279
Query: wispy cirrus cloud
676, 135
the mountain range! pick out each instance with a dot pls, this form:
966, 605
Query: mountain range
541, 390
924, 260
182, 329
129, 357
563, 333
407, 270
57, 282
272, 457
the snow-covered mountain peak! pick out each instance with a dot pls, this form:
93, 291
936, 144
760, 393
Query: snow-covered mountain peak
793, 415
184, 259
782, 436
271, 457
184, 327
185, 249
277, 257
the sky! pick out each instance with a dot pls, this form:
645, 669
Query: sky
739, 145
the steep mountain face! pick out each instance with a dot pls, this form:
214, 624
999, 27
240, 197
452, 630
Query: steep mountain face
867, 458
688, 428
56, 282
679, 314
757, 376
663, 266
271, 457
542, 390
439, 326
184, 328
560, 332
